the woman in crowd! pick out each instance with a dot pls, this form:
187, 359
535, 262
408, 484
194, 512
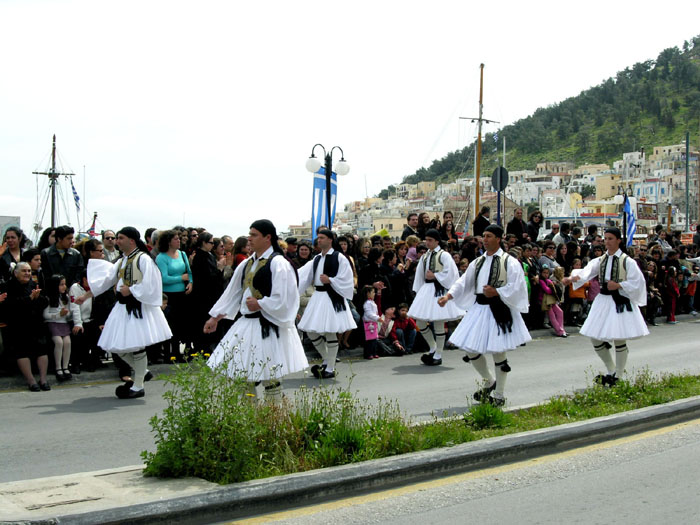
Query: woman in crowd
423, 224
177, 279
33, 257
13, 243
207, 290
534, 224
372, 275
654, 300
449, 235
48, 238
24, 307
361, 257
241, 250
561, 252
303, 255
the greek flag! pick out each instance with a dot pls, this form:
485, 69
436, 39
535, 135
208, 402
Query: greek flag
318, 210
631, 223
75, 195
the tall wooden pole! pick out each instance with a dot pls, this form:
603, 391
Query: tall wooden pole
478, 141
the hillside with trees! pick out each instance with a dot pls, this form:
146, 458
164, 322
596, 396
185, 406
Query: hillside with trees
650, 104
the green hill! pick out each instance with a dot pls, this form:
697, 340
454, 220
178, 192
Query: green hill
650, 104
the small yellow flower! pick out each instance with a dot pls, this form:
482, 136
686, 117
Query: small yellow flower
250, 395
207, 355
195, 355
173, 358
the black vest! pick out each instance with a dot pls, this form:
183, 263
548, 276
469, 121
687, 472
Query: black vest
330, 268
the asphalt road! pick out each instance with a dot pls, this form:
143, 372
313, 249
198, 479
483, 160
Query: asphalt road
648, 478
84, 428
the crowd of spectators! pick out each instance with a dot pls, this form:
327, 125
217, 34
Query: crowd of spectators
46, 308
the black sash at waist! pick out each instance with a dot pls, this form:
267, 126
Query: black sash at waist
265, 325
622, 303
500, 311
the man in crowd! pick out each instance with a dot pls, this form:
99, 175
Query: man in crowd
518, 227
263, 344
435, 273
111, 252
494, 293
136, 320
411, 226
555, 231
327, 313
291, 251
563, 236
61, 258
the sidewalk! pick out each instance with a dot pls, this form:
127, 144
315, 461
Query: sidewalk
124, 496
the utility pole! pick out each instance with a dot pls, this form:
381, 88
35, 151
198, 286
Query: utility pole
480, 121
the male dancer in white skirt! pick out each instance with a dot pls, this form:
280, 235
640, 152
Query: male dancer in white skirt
494, 293
435, 273
263, 344
614, 316
327, 313
136, 320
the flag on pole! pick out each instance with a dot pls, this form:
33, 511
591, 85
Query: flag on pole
631, 223
91, 232
318, 209
75, 196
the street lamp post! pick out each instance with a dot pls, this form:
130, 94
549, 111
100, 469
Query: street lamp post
313, 164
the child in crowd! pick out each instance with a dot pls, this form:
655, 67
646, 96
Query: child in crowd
84, 343
387, 345
550, 302
577, 298
370, 318
58, 316
404, 329
672, 294
412, 241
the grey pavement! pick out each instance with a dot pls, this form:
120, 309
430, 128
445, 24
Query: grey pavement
76, 430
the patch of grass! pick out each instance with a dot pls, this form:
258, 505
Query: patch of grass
214, 430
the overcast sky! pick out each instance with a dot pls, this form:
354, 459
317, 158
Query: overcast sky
204, 113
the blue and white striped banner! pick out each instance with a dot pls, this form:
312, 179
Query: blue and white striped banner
631, 222
318, 210
75, 195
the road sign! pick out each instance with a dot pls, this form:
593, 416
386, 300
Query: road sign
499, 179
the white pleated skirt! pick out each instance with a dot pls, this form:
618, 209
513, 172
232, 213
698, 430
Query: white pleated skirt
320, 316
478, 332
605, 324
124, 333
246, 354
425, 306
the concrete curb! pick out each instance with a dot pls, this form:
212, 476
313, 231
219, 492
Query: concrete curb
283, 492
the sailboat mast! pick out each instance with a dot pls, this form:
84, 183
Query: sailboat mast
478, 140
52, 182
53, 175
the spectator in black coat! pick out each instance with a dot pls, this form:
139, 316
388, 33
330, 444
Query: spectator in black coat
207, 288
411, 226
61, 258
518, 228
481, 221
25, 326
